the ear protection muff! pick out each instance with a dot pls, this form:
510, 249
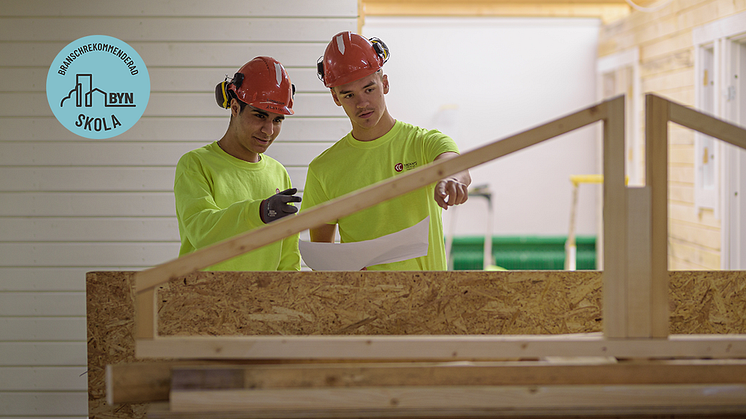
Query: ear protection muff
320, 68
380, 48
223, 95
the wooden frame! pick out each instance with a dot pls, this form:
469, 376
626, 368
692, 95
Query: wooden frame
635, 276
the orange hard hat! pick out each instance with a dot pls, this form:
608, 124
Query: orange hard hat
350, 57
262, 83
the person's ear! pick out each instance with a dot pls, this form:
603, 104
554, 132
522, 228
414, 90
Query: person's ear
385, 84
235, 107
334, 96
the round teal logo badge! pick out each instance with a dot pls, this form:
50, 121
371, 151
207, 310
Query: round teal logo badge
98, 87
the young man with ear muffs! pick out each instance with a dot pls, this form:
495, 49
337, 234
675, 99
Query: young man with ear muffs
230, 186
377, 148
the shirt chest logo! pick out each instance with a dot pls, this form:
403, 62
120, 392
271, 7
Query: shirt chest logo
400, 167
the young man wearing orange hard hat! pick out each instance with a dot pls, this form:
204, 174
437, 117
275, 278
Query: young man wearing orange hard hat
229, 186
377, 148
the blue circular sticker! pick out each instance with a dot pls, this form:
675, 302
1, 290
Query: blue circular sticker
98, 87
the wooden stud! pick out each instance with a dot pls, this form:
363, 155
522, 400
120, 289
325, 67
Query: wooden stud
639, 276
656, 178
146, 316
615, 223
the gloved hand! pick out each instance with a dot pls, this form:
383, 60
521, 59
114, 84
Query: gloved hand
279, 205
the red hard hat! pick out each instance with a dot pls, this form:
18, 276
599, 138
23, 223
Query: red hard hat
262, 83
350, 57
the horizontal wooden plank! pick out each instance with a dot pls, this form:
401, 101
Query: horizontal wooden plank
42, 304
78, 229
101, 179
237, 8
709, 125
151, 381
43, 378
130, 255
39, 329
43, 279
697, 255
707, 237
39, 404
16, 104
439, 347
87, 179
225, 56
115, 153
163, 79
205, 129
195, 29
43, 353
460, 400
81, 204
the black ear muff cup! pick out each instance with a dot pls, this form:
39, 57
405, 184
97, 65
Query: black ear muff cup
320, 68
221, 95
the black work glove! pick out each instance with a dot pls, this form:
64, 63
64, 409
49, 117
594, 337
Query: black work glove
278, 205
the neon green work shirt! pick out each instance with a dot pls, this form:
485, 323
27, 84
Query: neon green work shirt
218, 197
350, 164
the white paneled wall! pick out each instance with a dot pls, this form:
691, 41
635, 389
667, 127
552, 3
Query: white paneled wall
69, 205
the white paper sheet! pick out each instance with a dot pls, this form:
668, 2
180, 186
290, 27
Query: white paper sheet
406, 244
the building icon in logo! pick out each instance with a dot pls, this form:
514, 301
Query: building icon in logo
98, 87
84, 94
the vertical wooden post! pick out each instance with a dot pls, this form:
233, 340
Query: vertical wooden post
639, 273
146, 322
615, 223
656, 177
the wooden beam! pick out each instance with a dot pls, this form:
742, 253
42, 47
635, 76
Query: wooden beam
468, 399
615, 223
656, 178
706, 124
605, 371
439, 347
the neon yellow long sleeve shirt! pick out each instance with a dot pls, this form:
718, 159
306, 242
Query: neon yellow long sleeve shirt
218, 196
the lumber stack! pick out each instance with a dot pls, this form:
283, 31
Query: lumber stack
449, 389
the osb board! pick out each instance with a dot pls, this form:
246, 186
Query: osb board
474, 302
381, 303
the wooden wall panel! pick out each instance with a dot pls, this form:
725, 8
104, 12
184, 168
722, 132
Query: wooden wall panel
134, 255
42, 329
168, 29
99, 229
113, 153
42, 279
163, 129
42, 378
73, 204
80, 8
42, 353
52, 404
